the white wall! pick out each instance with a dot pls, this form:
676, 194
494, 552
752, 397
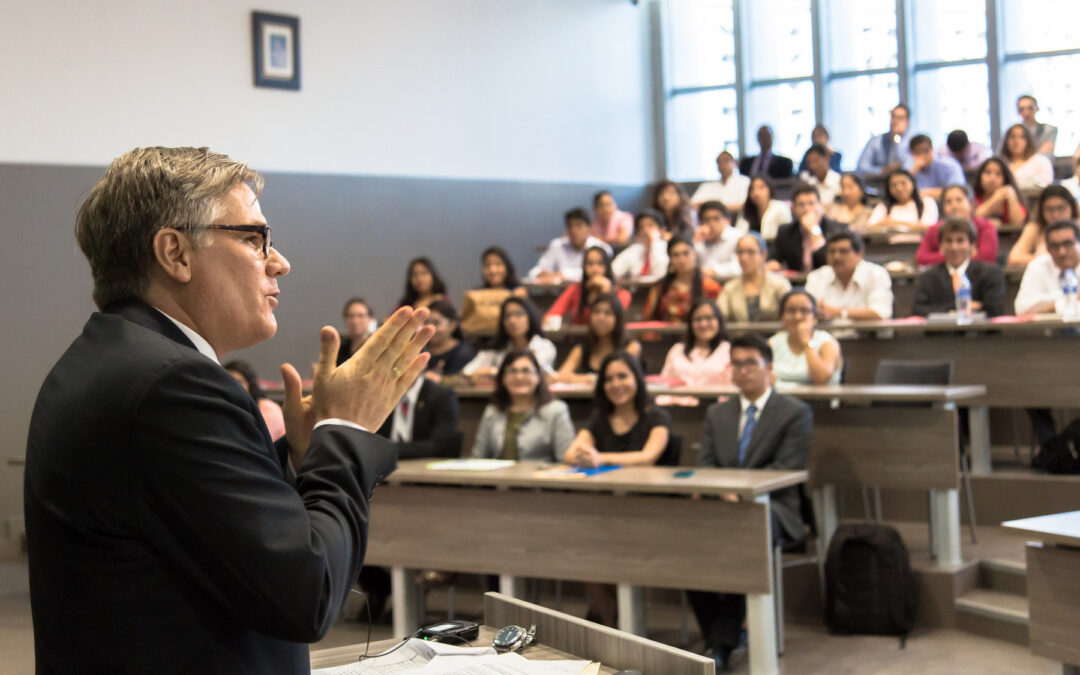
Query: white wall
537, 90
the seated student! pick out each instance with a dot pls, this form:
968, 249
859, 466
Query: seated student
702, 358
969, 155
766, 162
523, 421
480, 306
1072, 183
850, 287
609, 224
606, 334
730, 190
903, 208
758, 429
715, 243
572, 305
852, 206
671, 298
1030, 168
680, 219
1041, 289
889, 151
761, 213
820, 136
935, 291
755, 294
932, 173
497, 271
518, 329
997, 195
819, 174
359, 325
423, 285
1044, 136
956, 203
801, 353
563, 257
1055, 203
625, 429
646, 257
800, 244
271, 411
450, 352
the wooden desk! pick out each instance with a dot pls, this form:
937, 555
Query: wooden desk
635, 527
1053, 586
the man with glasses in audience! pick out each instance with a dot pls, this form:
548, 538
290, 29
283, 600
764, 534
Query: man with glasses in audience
1042, 289
888, 151
800, 244
850, 287
758, 429
1045, 135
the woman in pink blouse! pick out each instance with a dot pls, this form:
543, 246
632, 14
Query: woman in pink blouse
704, 358
613, 226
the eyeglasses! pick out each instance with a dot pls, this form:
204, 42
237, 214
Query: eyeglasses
263, 230
798, 311
1061, 245
749, 364
705, 318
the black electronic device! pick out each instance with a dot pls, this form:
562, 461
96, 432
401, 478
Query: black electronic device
450, 631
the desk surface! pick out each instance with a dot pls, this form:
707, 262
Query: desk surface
747, 483
1057, 528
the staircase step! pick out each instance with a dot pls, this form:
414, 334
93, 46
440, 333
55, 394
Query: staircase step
1006, 576
995, 614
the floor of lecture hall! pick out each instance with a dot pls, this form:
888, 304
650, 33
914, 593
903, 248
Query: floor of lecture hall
810, 649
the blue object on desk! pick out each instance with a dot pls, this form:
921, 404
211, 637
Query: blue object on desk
597, 470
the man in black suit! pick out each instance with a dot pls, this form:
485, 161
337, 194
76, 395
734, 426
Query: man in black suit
759, 429
765, 163
166, 532
800, 244
935, 290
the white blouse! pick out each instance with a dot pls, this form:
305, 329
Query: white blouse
1037, 172
778, 213
907, 213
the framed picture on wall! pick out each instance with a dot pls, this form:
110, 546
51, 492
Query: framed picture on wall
275, 41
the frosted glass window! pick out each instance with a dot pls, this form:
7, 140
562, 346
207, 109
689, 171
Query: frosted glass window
780, 43
1053, 82
1040, 25
699, 126
858, 108
953, 98
859, 35
949, 31
789, 109
700, 43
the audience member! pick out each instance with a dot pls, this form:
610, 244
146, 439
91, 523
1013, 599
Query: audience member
646, 257
801, 353
518, 329
606, 334
800, 244
716, 240
819, 174
935, 291
852, 207
1043, 136
611, 225
423, 285
563, 258
759, 429
497, 271
820, 136
1055, 203
480, 307
932, 173
766, 163
997, 195
969, 155
271, 411
956, 203
762, 213
755, 294
1042, 288
597, 278
1072, 183
680, 219
850, 287
903, 208
1031, 169
450, 352
703, 357
523, 421
889, 151
730, 190
359, 325
671, 298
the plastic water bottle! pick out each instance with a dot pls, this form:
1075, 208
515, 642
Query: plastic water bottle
1070, 305
963, 301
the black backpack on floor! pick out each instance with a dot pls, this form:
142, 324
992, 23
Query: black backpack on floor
1060, 454
869, 586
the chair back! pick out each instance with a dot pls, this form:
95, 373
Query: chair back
899, 371
672, 454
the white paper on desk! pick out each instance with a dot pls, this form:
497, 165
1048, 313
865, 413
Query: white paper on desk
501, 664
412, 657
470, 464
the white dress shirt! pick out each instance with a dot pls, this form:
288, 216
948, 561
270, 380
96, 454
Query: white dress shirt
731, 191
630, 261
870, 287
827, 189
719, 256
562, 257
401, 427
1041, 284
776, 214
759, 405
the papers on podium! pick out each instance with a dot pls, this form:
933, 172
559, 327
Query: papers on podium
421, 657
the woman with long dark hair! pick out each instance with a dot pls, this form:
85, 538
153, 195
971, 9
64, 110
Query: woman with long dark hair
597, 278
1030, 169
1055, 203
360, 323
671, 298
761, 213
671, 200
609, 224
903, 208
850, 207
803, 354
450, 352
423, 285
497, 270
519, 329
606, 334
703, 358
997, 195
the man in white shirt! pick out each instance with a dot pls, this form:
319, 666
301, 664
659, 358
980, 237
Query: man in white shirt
730, 190
646, 257
850, 287
1041, 289
819, 174
716, 248
564, 255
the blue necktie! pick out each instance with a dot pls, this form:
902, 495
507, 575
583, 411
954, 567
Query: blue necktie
747, 432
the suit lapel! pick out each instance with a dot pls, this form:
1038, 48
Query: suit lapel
761, 427
138, 312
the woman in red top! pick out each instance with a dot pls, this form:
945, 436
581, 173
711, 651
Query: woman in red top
597, 278
671, 298
997, 195
956, 203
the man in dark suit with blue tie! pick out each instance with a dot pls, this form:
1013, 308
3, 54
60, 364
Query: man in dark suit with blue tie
766, 163
758, 429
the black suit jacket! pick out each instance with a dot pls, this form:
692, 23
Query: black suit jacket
788, 247
434, 427
934, 289
166, 532
780, 440
779, 166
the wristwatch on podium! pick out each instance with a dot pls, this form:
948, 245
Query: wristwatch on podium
513, 638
